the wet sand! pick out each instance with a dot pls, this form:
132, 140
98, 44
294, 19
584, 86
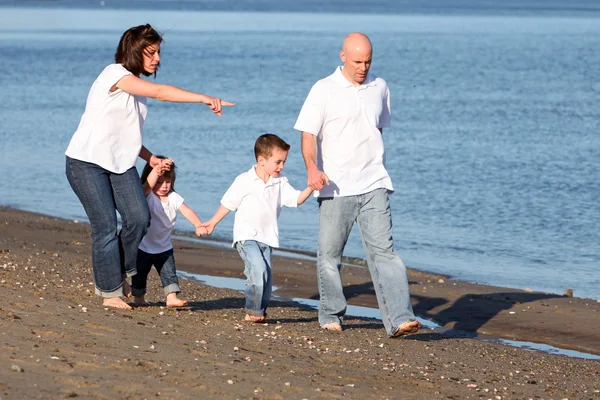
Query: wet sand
58, 341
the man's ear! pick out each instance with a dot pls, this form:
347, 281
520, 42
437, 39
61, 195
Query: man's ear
343, 56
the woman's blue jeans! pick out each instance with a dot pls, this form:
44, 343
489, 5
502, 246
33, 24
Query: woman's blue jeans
102, 193
373, 214
257, 268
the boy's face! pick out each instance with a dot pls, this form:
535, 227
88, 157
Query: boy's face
275, 163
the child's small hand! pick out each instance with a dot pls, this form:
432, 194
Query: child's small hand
201, 230
209, 227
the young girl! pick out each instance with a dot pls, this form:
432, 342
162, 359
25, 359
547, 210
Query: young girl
156, 247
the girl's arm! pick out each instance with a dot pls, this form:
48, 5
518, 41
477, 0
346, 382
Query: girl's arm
140, 87
152, 179
194, 219
219, 215
305, 194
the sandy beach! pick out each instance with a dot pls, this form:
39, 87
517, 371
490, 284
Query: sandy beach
58, 341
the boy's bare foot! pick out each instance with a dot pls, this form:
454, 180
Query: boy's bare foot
173, 301
407, 328
126, 289
254, 318
140, 301
334, 326
116, 302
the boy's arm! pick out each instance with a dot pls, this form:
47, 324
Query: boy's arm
305, 194
194, 219
219, 215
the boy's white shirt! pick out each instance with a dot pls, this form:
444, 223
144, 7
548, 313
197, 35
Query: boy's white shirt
257, 206
163, 216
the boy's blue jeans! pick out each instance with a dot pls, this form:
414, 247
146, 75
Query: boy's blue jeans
373, 214
102, 193
257, 268
165, 266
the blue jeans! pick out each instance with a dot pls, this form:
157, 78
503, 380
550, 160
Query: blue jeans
373, 214
102, 193
165, 266
257, 268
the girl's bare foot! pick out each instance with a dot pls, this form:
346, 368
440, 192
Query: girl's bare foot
173, 301
254, 318
126, 289
140, 301
116, 302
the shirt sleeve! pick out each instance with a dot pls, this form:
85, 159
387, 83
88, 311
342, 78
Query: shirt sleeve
176, 200
232, 198
384, 118
111, 75
289, 195
311, 117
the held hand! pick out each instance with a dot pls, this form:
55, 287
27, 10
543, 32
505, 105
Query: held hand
216, 104
317, 179
209, 227
201, 231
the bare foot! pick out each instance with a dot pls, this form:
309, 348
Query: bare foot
116, 302
126, 289
334, 326
173, 301
407, 328
140, 301
254, 318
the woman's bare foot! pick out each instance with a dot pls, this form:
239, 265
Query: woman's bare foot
407, 328
173, 301
140, 301
254, 318
126, 289
116, 302
334, 326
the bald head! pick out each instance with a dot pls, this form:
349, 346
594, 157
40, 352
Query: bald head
356, 55
358, 42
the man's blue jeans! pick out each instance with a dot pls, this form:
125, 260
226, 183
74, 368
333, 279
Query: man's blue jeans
102, 193
165, 266
373, 214
257, 268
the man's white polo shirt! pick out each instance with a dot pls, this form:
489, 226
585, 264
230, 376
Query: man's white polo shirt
257, 205
346, 120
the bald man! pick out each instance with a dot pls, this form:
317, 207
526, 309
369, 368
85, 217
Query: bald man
342, 122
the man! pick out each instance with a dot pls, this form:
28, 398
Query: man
342, 122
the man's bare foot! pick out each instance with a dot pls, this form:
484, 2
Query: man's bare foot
140, 301
334, 326
173, 301
116, 302
254, 318
407, 328
126, 289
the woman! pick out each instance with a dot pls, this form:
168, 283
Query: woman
100, 159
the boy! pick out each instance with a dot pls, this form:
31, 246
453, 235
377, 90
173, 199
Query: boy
257, 197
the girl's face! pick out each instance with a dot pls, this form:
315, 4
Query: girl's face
151, 58
163, 186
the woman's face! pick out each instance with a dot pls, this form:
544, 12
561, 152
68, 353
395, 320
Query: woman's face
151, 58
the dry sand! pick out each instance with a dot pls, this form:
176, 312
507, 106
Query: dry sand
59, 342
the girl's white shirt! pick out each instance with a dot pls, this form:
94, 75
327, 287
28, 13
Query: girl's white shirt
110, 130
163, 215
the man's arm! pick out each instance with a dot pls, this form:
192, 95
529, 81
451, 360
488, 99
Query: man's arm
316, 178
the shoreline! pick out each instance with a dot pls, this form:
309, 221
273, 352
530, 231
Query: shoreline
59, 341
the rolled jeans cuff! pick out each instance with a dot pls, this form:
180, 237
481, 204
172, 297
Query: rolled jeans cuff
109, 295
172, 288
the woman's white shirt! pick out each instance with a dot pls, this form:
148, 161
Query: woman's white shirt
110, 130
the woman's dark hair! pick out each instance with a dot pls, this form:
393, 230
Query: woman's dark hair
148, 169
130, 52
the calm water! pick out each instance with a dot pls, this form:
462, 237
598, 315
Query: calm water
494, 150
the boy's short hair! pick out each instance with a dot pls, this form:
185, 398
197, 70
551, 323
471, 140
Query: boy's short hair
266, 143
